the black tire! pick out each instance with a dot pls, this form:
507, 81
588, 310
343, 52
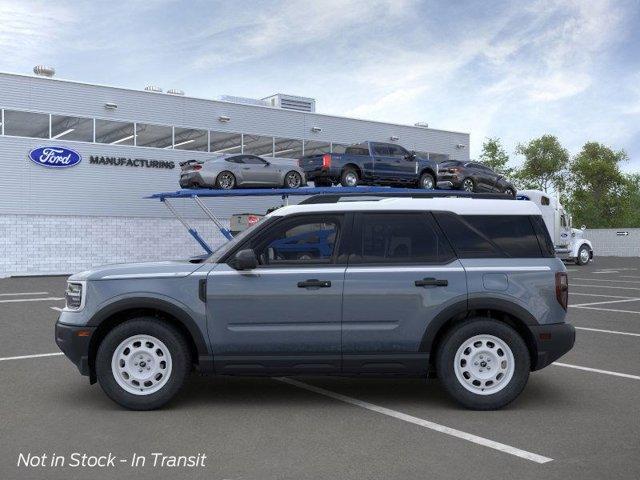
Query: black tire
221, 180
427, 182
346, 178
289, 184
468, 183
454, 340
509, 191
581, 255
177, 346
322, 182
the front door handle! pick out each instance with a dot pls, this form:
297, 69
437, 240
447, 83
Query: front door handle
431, 282
314, 283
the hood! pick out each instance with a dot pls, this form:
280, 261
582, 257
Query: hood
577, 233
121, 271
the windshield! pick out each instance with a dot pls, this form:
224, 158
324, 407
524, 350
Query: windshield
223, 249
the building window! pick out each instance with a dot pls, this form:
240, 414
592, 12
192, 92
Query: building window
258, 145
338, 148
158, 136
190, 139
312, 147
72, 128
26, 124
287, 148
224, 142
114, 133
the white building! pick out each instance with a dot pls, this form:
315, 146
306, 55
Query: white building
61, 220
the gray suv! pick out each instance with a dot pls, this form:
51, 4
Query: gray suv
465, 289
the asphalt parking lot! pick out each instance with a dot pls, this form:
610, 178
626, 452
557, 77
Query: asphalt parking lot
576, 419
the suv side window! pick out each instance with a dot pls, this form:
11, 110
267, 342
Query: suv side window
513, 234
409, 238
310, 239
491, 236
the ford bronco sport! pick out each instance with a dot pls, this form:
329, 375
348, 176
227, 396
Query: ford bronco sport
467, 289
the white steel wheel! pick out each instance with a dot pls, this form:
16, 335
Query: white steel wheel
141, 364
484, 364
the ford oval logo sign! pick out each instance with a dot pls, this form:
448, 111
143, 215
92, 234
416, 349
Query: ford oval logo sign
55, 157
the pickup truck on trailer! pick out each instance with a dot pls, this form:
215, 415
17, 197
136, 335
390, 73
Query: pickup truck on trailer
370, 163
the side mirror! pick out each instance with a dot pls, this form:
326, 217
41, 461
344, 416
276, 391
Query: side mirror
410, 156
244, 260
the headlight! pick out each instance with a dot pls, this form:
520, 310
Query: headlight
74, 295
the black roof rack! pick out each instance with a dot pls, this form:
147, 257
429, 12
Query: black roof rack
374, 196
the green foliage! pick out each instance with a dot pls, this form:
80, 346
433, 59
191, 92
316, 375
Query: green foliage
495, 156
545, 164
600, 194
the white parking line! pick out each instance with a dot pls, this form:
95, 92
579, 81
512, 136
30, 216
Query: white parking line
608, 331
38, 355
57, 309
22, 293
607, 280
14, 300
605, 286
596, 370
596, 295
423, 423
606, 309
606, 301
628, 276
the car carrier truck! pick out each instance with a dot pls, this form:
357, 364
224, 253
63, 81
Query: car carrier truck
569, 242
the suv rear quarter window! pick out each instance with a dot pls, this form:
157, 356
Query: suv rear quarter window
491, 236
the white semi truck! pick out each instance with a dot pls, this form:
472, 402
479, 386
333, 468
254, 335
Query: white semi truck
569, 242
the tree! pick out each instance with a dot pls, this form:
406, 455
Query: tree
600, 194
495, 156
545, 164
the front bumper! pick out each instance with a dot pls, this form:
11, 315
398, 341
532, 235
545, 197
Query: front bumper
74, 342
455, 180
552, 342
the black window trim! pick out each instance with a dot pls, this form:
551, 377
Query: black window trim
356, 235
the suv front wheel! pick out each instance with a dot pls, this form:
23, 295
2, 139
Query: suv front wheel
142, 363
483, 364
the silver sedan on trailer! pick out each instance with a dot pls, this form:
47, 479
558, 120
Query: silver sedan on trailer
242, 170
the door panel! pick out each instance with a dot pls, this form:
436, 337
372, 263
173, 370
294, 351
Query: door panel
385, 315
258, 318
285, 315
389, 298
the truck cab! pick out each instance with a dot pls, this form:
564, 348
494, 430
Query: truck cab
568, 241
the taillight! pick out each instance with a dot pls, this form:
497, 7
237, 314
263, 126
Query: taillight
326, 161
562, 289
197, 167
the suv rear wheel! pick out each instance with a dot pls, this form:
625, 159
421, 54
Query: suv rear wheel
142, 363
483, 364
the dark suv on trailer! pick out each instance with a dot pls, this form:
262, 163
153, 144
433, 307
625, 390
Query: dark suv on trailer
474, 177
465, 288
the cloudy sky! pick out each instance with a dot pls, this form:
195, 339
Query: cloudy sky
514, 70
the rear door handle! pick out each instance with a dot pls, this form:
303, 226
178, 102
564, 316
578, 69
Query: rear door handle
314, 283
431, 282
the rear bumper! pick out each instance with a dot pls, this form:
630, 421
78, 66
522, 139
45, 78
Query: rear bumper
190, 180
321, 173
552, 342
455, 180
74, 342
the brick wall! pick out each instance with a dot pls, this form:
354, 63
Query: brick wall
38, 245
607, 243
